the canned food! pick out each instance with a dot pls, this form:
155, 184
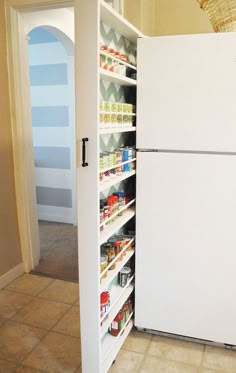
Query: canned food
114, 107
107, 106
113, 119
124, 276
118, 156
119, 107
101, 118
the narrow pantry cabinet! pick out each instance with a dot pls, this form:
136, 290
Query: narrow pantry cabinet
106, 162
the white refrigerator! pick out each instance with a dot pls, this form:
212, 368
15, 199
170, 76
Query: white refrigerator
186, 186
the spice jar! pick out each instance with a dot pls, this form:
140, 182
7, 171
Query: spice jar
117, 324
103, 264
104, 303
109, 250
101, 214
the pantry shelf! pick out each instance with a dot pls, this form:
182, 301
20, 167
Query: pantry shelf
115, 78
118, 60
118, 212
110, 17
116, 180
118, 296
111, 274
117, 165
116, 225
104, 131
111, 345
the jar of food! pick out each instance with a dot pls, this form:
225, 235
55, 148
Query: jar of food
126, 309
119, 155
113, 120
101, 215
118, 248
104, 302
123, 57
119, 120
101, 120
103, 265
119, 107
109, 250
117, 324
124, 276
101, 177
107, 120
114, 107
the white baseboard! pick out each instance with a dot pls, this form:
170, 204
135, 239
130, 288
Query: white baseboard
11, 275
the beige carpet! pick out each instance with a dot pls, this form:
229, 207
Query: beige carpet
58, 251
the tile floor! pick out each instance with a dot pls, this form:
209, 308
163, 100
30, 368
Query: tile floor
40, 332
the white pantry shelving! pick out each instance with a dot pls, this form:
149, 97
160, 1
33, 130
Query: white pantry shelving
117, 165
111, 18
118, 60
117, 179
95, 340
111, 345
111, 274
117, 224
119, 296
105, 131
116, 78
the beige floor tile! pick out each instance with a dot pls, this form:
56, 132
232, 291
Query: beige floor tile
127, 361
220, 359
153, 364
41, 313
17, 340
206, 370
137, 342
56, 353
70, 323
25, 369
62, 291
29, 284
174, 349
7, 366
11, 302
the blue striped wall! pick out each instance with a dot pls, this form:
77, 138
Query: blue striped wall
48, 78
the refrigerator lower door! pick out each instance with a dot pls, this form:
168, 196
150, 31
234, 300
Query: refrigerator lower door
186, 245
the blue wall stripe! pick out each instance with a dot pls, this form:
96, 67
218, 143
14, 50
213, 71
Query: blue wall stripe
54, 196
52, 157
50, 116
40, 35
53, 74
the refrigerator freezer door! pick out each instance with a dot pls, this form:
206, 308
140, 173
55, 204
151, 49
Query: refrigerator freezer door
186, 92
186, 245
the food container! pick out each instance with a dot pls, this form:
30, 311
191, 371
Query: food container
103, 265
107, 106
117, 324
119, 107
103, 61
114, 107
109, 250
124, 276
119, 120
101, 115
123, 57
107, 120
104, 303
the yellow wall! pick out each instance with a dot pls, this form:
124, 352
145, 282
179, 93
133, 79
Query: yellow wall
10, 254
174, 17
167, 17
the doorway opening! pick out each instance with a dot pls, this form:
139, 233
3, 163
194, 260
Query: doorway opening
51, 66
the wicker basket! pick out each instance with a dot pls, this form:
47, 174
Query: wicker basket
222, 14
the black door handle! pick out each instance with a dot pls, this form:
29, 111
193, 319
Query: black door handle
84, 163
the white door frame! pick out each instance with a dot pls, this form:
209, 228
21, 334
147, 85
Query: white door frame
19, 88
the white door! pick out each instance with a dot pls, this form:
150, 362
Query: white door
186, 92
185, 240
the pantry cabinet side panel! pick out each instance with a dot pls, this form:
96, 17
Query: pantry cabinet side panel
87, 25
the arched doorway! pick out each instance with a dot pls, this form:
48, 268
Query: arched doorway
51, 63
